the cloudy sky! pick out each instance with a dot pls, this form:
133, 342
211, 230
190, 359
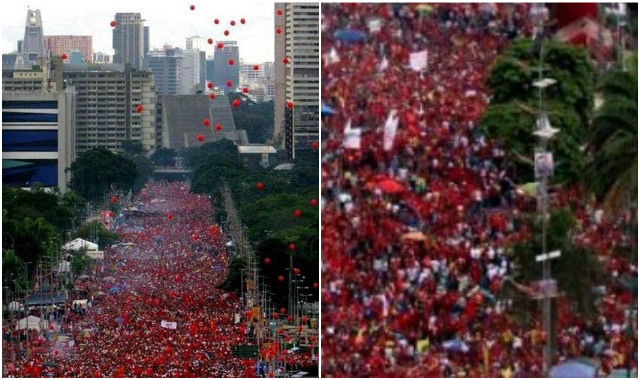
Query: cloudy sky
169, 22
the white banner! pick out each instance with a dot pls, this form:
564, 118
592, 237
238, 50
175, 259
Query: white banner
169, 325
418, 61
390, 128
352, 138
375, 25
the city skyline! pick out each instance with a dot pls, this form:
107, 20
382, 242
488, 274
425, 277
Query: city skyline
170, 24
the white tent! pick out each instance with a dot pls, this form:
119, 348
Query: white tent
78, 244
31, 322
15, 306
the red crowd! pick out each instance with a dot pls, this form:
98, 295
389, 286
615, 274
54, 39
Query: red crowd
414, 275
168, 269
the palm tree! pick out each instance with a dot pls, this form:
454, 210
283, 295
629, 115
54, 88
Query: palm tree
612, 169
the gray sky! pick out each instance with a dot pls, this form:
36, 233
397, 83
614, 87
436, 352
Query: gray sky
171, 22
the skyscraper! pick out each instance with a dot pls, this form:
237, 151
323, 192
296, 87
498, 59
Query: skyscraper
32, 46
57, 45
298, 81
222, 70
165, 66
130, 39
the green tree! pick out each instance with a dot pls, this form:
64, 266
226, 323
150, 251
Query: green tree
511, 116
163, 157
80, 263
99, 170
255, 118
105, 237
13, 268
234, 276
132, 148
612, 170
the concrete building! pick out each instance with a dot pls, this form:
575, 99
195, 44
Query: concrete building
130, 39
165, 66
222, 71
107, 101
101, 58
298, 81
38, 124
56, 45
9, 61
182, 117
190, 73
197, 42
32, 47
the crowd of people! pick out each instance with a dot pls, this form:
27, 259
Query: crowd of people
415, 233
155, 308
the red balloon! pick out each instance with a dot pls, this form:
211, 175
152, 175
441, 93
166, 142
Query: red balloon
304, 319
226, 32
233, 23
259, 186
114, 199
296, 271
275, 315
283, 310
314, 145
229, 83
137, 371
279, 12
299, 328
242, 21
285, 60
236, 103
212, 96
290, 318
267, 261
140, 108
200, 137
231, 62
218, 127
193, 7
206, 122
169, 216
210, 41
220, 45
113, 24
281, 278
314, 202
289, 104
292, 247
297, 213
63, 56
213, 229
256, 67
278, 30
56, 352
245, 90
315, 285
210, 85
216, 21
96, 373
110, 214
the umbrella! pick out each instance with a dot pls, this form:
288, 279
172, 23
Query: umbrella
424, 9
119, 320
99, 294
390, 186
349, 35
573, 369
326, 110
114, 290
158, 238
455, 345
109, 279
415, 236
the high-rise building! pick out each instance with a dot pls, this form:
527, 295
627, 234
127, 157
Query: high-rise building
9, 61
197, 42
298, 81
56, 45
32, 46
38, 123
130, 39
259, 83
209, 70
222, 70
190, 72
107, 101
165, 66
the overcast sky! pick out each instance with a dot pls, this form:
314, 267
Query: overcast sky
169, 22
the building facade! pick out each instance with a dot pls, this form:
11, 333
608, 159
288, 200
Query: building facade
32, 46
106, 106
165, 66
56, 45
130, 39
222, 71
298, 81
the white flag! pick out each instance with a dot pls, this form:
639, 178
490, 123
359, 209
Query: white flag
351, 139
418, 61
169, 325
390, 128
382, 66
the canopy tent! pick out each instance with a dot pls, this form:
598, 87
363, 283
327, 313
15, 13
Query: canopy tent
349, 35
78, 244
572, 369
63, 267
326, 110
15, 306
45, 299
30, 322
